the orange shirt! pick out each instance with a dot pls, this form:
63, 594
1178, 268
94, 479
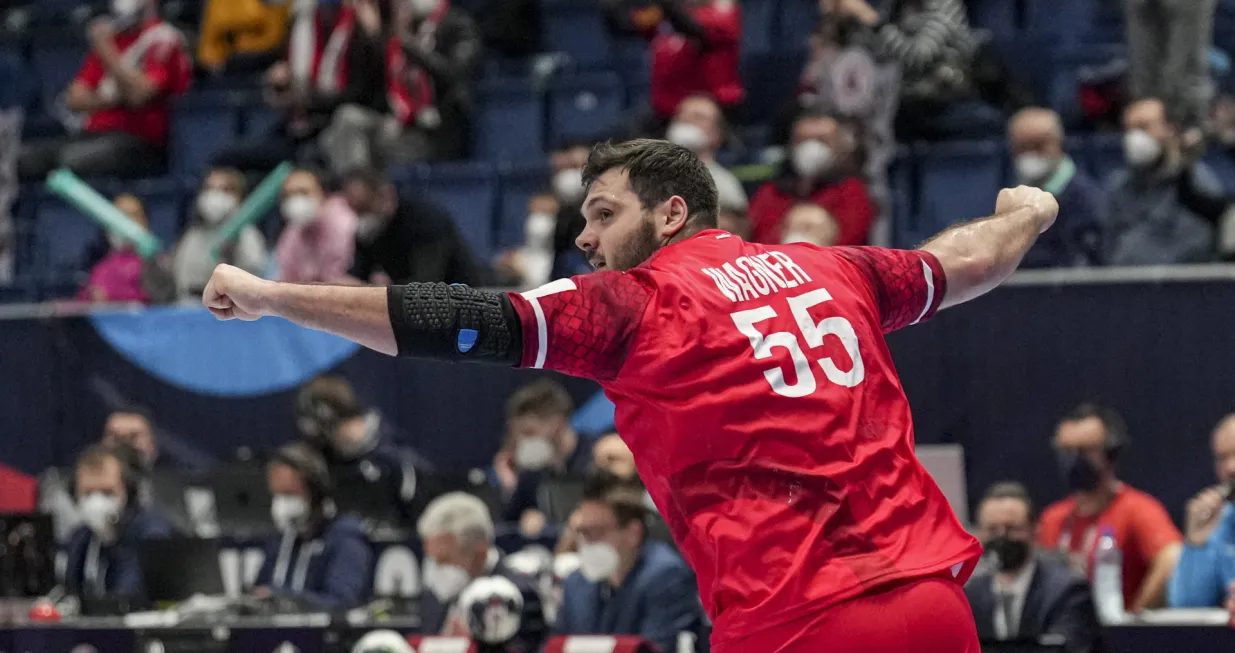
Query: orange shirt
1141, 526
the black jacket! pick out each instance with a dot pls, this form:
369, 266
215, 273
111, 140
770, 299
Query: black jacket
420, 244
1058, 603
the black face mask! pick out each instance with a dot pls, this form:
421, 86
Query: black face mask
1080, 473
1011, 555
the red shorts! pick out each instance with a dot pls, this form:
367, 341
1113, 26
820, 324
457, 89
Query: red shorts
931, 614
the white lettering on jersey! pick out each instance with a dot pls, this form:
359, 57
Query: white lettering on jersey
752, 277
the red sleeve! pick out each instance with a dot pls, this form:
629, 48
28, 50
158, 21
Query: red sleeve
908, 284
1153, 528
167, 67
850, 204
91, 72
721, 22
582, 326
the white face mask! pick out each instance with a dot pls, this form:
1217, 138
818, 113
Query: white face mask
534, 453
811, 159
368, 227
792, 237
568, 185
290, 513
446, 581
1034, 168
215, 205
125, 9
422, 8
101, 513
689, 136
299, 209
538, 231
598, 561
1140, 149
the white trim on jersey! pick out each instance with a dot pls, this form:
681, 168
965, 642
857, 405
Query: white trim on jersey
542, 325
930, 291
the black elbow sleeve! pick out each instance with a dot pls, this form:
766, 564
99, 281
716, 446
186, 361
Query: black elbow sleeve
454, 323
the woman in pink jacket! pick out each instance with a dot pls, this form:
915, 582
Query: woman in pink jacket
319, 240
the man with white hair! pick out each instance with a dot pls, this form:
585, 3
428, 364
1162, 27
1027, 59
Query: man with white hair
1035, 141
457, 532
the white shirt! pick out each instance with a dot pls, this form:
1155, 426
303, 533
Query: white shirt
1018, 588
729, 190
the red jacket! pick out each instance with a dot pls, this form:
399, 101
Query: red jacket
18, 491
681, 68
848, 200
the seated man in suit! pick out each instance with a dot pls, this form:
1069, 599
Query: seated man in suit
626, 584
319, 559
457, 531
1026, 594
103, 552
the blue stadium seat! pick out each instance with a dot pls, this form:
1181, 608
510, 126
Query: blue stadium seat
957, 181
1222, 165
57, 61
62, 236
998, 16
584, 106
510, 125
1070, 20
1103, 155
519, 184
258, 120
758, 23
578, 30
164, 201
905, 231
796, 20
468, 191
202, 125
771, 80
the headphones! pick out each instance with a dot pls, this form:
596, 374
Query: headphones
310, 466
323, 404
131, 475
1113, 426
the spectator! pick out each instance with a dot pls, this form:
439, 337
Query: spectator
1035, 138
1168, 53
334, 59
318, 242
1207, 564
118, 277
132, 427
404, 240
319, 559
699, 126
821, 170
542, 445
221, 193
103, 552
1027, 595
358, 445
457, 532
431, 60
1087, 443
695, 50
626, 584
611, 454
1159, 207
810, 223
241, 35
136, 65
531, 265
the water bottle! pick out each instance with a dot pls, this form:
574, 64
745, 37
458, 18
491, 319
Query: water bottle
1108, 590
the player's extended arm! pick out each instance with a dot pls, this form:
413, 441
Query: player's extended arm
977, 256
429, 320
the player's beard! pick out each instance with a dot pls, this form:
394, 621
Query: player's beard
639, 248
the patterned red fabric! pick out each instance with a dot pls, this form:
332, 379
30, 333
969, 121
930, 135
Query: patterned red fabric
754, 386
589, 323
897, 279
165, 62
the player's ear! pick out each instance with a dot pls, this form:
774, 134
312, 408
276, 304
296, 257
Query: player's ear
674, 217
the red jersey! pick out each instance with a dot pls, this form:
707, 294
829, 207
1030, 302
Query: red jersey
681, 67
158, 50
753, 385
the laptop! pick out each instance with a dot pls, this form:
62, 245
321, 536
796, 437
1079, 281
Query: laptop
27, 555
178, 568
241, 501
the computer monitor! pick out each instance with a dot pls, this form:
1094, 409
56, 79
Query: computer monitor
27, 555
241, 499
177, 568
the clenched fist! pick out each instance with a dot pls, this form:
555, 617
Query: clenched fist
233, 293
1040, 202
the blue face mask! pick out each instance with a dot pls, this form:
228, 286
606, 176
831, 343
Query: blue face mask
1079, 473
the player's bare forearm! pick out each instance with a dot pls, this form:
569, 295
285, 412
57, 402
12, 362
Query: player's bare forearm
977, 256
357, 313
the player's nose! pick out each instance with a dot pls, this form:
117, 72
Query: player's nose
587, 240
